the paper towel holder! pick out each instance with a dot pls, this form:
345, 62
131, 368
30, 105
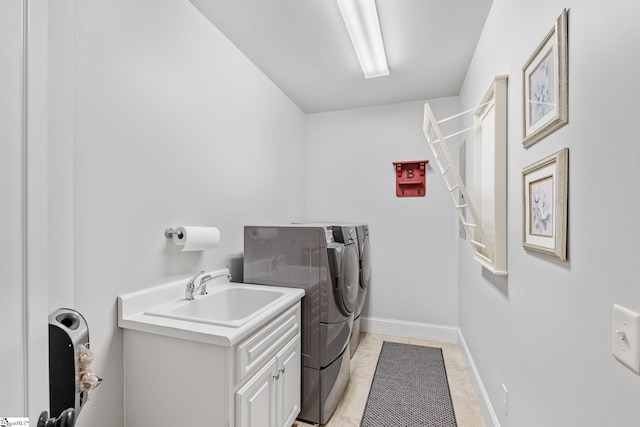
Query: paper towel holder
170, 232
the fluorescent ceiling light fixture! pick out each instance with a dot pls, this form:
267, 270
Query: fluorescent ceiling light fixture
361, 18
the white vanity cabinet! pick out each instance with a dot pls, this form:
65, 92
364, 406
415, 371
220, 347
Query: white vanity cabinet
253, 382
271, 398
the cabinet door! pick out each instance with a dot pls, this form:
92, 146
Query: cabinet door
256, 402
288, 383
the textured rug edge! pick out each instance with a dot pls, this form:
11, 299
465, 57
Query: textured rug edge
446, 377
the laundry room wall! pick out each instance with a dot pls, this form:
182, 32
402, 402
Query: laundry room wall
413, 239
545, 331
12, 365
172, 126
61, 75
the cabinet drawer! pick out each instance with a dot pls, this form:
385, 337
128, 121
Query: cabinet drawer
265, 343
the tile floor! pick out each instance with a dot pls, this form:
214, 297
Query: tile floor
363, 366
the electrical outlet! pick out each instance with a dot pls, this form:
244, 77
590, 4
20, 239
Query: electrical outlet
505, 399
626, 337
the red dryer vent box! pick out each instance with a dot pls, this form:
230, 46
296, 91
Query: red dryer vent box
411, 179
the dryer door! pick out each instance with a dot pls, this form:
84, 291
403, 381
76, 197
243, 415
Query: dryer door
365, 263
346, 286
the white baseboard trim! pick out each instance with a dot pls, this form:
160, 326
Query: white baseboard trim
483, 398
401, 328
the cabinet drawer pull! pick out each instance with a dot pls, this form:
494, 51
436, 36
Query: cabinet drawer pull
276, 376
282, 370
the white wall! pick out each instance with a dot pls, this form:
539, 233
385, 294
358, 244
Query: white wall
173, 126
36, 201
61, 32
12, 366
545, 331
350, 177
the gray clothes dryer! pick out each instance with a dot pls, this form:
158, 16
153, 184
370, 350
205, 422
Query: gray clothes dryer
359, 233
364, 252
308, 257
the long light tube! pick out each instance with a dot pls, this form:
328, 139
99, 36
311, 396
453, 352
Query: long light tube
361, 19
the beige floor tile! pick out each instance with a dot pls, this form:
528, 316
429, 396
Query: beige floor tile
343, 420
363, 365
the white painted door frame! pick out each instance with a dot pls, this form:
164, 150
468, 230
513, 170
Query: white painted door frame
27, 289
13, 366
36, 206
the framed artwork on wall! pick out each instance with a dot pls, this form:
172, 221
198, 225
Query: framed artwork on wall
545, 85
544, 189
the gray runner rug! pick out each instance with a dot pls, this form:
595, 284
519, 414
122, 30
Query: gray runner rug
409, 388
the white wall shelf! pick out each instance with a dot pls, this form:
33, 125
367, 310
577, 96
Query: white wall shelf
484, 215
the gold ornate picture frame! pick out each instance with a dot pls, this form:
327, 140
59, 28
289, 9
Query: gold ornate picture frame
545, 85
544, 189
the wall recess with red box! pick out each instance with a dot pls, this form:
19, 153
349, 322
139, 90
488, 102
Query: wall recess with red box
411, 179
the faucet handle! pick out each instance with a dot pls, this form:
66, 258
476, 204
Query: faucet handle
203, 284
195, 276
188, 293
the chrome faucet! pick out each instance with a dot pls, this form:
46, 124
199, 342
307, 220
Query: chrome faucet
192, 289
203, 284
188, 293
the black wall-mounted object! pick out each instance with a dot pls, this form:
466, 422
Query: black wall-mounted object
68, 330
66, 419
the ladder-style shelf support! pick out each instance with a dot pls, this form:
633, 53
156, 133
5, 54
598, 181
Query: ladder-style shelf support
490, 250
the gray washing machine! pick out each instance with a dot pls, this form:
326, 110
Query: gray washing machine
361, 233
309, 257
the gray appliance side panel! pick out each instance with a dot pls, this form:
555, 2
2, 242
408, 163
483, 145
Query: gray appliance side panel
365, 262
310, 399
362, 296
334, 338
365, 267
333, 382
290, 257
322, 389
355, 336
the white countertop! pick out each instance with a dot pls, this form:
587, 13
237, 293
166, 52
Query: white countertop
132, 308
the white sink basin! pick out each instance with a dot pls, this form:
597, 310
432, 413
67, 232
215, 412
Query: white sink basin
230, 313
224, 305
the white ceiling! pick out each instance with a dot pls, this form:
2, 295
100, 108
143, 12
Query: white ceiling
304, 48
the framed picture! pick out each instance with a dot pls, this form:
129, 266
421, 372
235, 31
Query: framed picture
545, 86
544, 187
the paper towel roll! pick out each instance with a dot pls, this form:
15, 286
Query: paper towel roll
196, 238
